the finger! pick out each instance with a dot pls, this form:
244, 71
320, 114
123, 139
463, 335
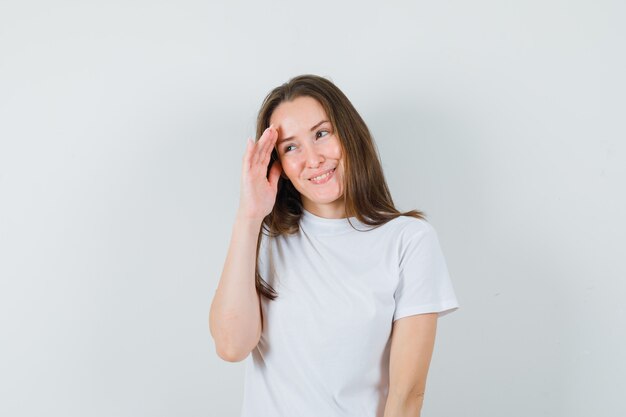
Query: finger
258, 153
269, 145
248, 153
274, 174
264, 144
272, 133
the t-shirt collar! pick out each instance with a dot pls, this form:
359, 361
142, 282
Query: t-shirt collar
321, 226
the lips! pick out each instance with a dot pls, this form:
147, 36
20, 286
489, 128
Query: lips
320, 173
326, 177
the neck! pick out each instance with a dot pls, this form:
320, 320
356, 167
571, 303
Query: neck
334, 210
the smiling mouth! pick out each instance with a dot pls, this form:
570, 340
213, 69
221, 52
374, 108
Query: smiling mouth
322, 178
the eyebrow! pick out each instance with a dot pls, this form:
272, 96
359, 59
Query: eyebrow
291, 137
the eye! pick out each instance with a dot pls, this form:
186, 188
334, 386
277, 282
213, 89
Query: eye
319, 133
286, 148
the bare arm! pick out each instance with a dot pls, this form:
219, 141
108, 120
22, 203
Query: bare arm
412, 344
235, 316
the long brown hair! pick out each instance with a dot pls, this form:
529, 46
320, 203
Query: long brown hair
366, 193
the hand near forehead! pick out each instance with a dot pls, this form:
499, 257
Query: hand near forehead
258, 189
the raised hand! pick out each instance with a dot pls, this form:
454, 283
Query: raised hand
258, 193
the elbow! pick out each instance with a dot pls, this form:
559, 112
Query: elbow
229, 346
231, 355
228, 351
404, 403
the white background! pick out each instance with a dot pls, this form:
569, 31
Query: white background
122, 126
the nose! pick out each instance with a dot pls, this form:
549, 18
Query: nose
313, 157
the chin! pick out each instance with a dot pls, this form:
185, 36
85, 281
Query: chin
323, 200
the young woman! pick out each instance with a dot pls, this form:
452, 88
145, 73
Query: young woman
334, 291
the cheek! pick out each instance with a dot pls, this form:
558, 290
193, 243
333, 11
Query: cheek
335, 149
290, 167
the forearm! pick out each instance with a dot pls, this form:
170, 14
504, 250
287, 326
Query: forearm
235, 317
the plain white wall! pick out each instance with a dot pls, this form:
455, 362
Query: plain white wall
122, 126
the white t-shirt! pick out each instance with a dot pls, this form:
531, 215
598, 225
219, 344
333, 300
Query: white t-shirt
324, 349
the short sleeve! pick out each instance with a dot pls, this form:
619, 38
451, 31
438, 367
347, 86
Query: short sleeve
424, 285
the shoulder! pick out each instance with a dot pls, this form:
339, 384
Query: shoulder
415, 239
409, 228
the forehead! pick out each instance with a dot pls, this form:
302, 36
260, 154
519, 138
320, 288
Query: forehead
300, 113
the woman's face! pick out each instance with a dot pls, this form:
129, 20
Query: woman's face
310, 154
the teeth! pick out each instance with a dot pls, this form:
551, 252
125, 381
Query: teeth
322, 176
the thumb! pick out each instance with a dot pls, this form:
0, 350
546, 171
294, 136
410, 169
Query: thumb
274, 174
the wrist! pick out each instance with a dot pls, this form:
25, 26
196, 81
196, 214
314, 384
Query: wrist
248, 222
